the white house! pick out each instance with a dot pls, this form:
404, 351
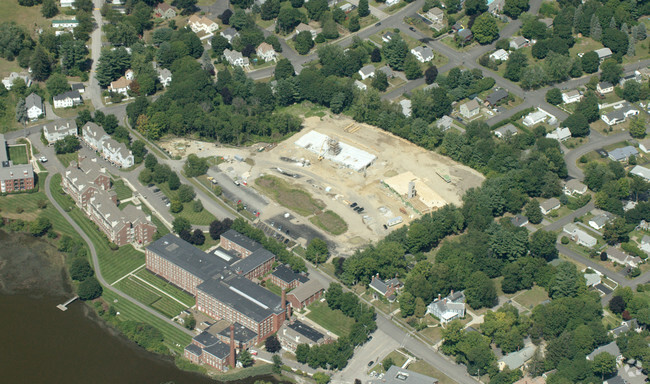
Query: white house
93, 135
65, 23
619, 115
390, 3
57, 131
129, 74
579, 236
499, 55
642, 172
449, 308
117, 153
67, 99
202, 23
165, 76
571, 97
388, 36
361, 86
535, 118
229, 34
8, 81
559, 134
423, 53
266, 52
79, 87
574, 187
644, 145
367, 71
599, 221
604, 87
470, 109
436, 15
645, 244
67, 4
121, 85
406, 107
235, 58
519, 42
603, 53
550, 205
302, 27
34, 106
507, 130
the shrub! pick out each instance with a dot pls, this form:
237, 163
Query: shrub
564, 240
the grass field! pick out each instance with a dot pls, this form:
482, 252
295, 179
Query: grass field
113, 264
145, 294
273, 288
166, 286
333, 321
123, 192
330, 222
29, 17
196, 218
288, 196
66, 158
529, 299
174, 337
18, 154
424, 368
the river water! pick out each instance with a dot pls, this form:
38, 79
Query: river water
41, 344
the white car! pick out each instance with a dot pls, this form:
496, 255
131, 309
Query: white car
43, 159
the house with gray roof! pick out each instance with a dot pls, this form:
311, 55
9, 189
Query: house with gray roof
626, 326
550, 205
34, 106
610, 348
367, 71
619, 115
387, 71
292, 334
519, 42
386, 288
621, 257
519, 220
507, 130
117, 153
641, 171
579, 236
397, 375
235, 58
598, 222
229, 34
449, 308
58, 130
517, 359
645, 244
495, 97
465, 35
592, 279
574, 187
422, 53
93, 135
605, 87
67, 99
623, 154
444, 123
470, 109
165, 76
559, 134
603, 53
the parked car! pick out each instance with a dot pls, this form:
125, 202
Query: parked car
371, 363
43, 159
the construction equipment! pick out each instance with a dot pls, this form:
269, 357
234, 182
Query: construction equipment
321, 153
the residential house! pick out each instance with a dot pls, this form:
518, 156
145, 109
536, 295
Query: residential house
386, 288
8, 81
579, 236
235, 58
603, 53
387, 71
79, 87
65, 23
625, 327
495, 7
361, 86
202, 23
266, 52
165, 76
571, 97
644, 145
347, 7
499, 55
507, 130
129, 74
447, 309
292, 334
470, 109
93, 135
67, 99
35, 107
604, 87
67, 4
398, 375
559, 134
496, 97
641, 172
121, 86
390, 3
620, 257
164, 11
547, 21
406, 107
599, 221
623, 154
117, 153
465, 35
285, 278
57, 131
619, 115
306, 294
388, 36
550, 205
592, 279
519, 220
436, 15
82, 180
610, 348
422, 53
229, 34
534, 118
367, 71
519, 42
635, 76
517, 359
444, 123
302, 27
574, 187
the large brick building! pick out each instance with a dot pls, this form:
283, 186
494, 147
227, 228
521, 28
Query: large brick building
208, 349
14, 177
306, 294
285, 278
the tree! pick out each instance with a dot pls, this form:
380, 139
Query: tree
380, 81
190, 322
604, 364
316, 8
515, 65
245, 358
330, 29
577, 124
40, 226
480, 291
590, 62
225, 16
640, 32
485, 29
57, 84
637, 127
631, 50
277, 364
218, 227
195, 166
21, 111
270, 9
554, 96
534, 212
89, 289
186, 193
181, 223
588, 107
615, 231
375, 55
139, 150
321, 378
412, 68
303, 41
197, 238
80, 270
430, 74
514, 8
632, 91
611, 71
40, 64
567, 281
354, 24
364, 9
615, 40
420, 308
272, 344
219, 44
317, 251
150, 161
617, 304
542, 244
387, 363
284, 69
475, 7
49, 9
197, 206
288, 19
406, 304
395, 52
595, 29
187, 6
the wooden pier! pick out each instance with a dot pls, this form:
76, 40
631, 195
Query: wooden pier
64, 306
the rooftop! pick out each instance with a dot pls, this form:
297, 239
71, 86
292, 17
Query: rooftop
241, 240
516, 359
242, 334
610, 348
306, 331
306, 290
252, 261
286, 274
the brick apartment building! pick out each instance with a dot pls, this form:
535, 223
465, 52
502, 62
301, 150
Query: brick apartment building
306, 294
232, 240
14, 177
208, 349
285, 278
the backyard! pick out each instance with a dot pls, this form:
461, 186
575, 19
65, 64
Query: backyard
332, 320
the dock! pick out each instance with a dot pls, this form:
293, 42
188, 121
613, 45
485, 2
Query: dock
64, 306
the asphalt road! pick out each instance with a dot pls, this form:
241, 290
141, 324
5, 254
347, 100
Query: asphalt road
595, 142
94, 90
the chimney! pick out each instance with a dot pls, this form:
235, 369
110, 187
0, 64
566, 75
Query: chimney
232, 345
451, 293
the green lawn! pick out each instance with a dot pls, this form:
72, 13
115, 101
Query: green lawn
149, 296
287, 195
334, 321
424, 368
330, 222
196, 218
174, 337
18, 154
529, 299
66, 158
273, 288
166, 287
113, 264
123, 192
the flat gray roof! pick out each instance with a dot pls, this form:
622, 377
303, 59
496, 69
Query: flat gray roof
253, 261
187, 256
241, 240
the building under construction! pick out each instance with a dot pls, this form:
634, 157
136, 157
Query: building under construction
334, 150
414, 192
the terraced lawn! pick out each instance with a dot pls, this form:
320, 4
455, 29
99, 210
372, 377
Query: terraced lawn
149, 296
166, 286
334, 321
